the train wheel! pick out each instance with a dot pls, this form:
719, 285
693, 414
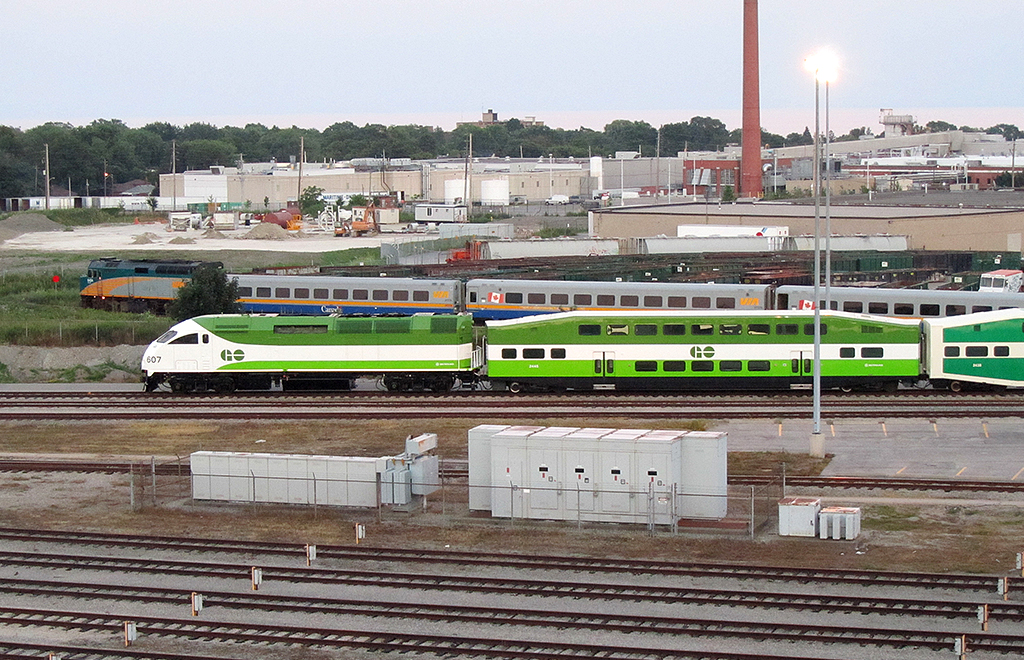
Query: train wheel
177, 387
890, 388
956, 386
515, 388
846, 389
224, 385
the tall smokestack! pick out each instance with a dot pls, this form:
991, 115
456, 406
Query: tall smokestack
750, 165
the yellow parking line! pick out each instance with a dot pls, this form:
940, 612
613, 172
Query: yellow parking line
961, 471
900, 471
1017, 475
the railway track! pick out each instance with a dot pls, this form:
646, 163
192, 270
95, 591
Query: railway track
455, 469
362, 405
433, 558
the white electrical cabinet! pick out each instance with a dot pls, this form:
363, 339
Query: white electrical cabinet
839, 522
798, 516
595, 474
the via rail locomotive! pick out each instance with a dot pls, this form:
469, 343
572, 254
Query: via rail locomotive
636, 350
140, 286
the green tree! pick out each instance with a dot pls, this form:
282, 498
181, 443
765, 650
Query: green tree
208, 292
310, 202
728, 194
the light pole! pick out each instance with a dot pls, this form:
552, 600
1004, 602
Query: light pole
822, 66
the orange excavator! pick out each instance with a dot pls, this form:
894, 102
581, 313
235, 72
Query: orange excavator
362, 223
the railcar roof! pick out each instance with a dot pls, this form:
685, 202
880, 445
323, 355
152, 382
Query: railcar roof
807, 315
979, 317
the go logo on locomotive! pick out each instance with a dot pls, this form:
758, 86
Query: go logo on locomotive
229, 355
706, 352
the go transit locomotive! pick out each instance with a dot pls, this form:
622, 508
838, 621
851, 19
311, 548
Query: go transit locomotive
638, 350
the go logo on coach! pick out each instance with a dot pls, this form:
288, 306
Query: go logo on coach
706, 352
229, 355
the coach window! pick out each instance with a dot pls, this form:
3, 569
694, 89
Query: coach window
853, 306
758, 329
702, 365
998, 351
652, 301
187, 339
629, 301
514, 298
646, 365
380, 294
730, 365
421, 296
300, 329
645, 329
786, 329
618, 329
244, 291
878, 308
582, 299
847, 352
759, 365
533, 353
834, 305
674, 365
400, 295
871, 329
340, 294
809, 329
725, 303
606, 300
360, 294
871, 352
536, 298
674, 329
302, 293
590, 330
976, 351
320, 294
981, 308
559, 298
951, 351
903, 309
730, 329
508, 353
929, 310
700, 302
702, 329
956, 310
282, 292
263, 291
558, 353
677, 302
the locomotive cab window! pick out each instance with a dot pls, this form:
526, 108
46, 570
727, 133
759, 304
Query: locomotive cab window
976, 351
166, 337
187, 339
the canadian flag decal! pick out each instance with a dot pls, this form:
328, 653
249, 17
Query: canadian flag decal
806, 304
495, 297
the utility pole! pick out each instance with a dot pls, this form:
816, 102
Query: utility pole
46, 149
174, 175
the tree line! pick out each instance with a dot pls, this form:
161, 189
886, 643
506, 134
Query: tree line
91, 159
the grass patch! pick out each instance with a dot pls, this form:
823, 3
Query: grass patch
886, 518
768, 462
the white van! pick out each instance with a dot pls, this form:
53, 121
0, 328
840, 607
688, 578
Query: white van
557, 200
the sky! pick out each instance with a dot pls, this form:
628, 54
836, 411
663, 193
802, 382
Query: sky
569, 63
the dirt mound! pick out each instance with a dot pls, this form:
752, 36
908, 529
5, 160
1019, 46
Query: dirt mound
145, 239
267, 230
213, 233
26, 223
181, 240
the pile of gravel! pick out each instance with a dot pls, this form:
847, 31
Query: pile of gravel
268, 230
26, 223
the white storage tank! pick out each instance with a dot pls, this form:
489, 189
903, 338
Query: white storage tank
798, 516
494, 192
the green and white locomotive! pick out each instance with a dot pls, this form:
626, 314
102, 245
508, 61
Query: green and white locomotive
700, 351
226, 352
975, 350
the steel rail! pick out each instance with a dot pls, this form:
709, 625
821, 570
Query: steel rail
518, 616
804, 575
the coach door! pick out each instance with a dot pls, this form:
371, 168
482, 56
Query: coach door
801, 364
604, 364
